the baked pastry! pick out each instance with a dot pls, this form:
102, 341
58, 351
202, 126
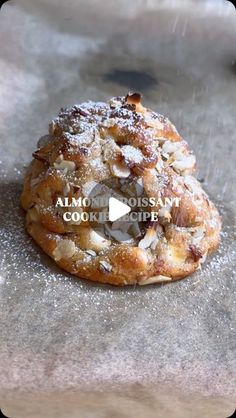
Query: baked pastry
92, 142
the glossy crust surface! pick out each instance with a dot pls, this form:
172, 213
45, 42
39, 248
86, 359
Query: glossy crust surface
91, 142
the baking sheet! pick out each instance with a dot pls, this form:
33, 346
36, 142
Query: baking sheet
89, 350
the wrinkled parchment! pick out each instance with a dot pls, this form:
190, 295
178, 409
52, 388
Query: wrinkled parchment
87, 350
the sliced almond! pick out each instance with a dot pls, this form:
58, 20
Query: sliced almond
155, 279
131, 155
154, 244
64, 249
151, 122
91, 252
105, 266
82, 139
179, 155
170, 147
148, 239
65, 165
165, 155
187, 162
192, 185
96, 242
119, 170
33, 214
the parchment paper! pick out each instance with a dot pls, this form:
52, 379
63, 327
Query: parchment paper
70, 348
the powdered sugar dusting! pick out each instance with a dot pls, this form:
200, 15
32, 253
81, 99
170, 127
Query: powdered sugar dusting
131, 154
49, 311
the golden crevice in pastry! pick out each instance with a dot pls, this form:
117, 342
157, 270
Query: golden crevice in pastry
121, 139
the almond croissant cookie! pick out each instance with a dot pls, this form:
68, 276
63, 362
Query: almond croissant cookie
125, 149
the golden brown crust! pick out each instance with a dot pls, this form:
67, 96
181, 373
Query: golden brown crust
94, 141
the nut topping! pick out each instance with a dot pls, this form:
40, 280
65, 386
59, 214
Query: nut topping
91, 252
131, 155
186, 163
65, 166
155, 279
64, 249
119, 170
148, 239
105, 266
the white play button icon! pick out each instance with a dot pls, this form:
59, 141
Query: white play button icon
117, 209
